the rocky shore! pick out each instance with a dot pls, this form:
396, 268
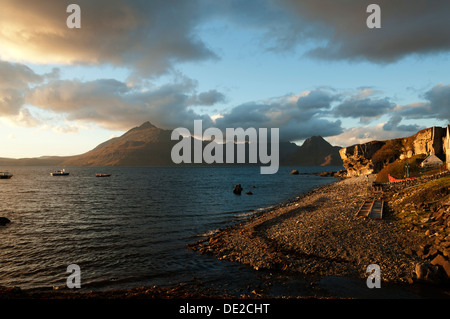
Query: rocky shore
318, 235
423, 208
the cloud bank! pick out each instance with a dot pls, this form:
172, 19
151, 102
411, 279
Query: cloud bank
151, 38
116, 105
148, 37
407, 28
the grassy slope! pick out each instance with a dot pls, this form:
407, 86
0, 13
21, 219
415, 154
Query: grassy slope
397, 169
412, 204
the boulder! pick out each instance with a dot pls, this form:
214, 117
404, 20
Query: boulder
357, 159
237, 189
427, 272
443, 262
4, 221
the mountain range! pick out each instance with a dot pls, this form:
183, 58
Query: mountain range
148, 145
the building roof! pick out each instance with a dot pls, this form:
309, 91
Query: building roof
432, 160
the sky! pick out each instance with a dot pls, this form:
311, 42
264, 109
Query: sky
306, 67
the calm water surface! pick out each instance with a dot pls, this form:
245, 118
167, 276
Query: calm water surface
130, 229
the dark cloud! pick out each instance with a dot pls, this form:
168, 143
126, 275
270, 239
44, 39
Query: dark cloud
337, 29
436, 105
148, 37
208, 98
316, 99
112, 104
151, 37
294, 131
117, 105
394, 125
439, 101
366, 109
285, 113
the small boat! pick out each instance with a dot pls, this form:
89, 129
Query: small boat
102, 175
395, 180
60, 173
5, 175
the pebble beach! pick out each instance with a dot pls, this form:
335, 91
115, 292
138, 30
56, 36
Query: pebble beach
318, 235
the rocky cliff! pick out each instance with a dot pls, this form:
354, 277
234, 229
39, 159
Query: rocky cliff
371, 157
357, 159
430, 140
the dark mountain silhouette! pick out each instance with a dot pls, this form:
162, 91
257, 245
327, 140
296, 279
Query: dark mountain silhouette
315, 151
148, 145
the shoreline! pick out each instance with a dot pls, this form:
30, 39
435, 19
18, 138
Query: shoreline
315, 239
317, 236
310, 229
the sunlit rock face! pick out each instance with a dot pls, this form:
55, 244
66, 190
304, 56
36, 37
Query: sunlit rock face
371, 157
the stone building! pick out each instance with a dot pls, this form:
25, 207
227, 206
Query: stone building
431, 161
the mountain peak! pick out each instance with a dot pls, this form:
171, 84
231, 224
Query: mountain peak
315, 140
147, 125
316, 151
316, 137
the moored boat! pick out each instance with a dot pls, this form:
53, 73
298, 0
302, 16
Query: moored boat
60, 173
5, 175
395, 180
102, 175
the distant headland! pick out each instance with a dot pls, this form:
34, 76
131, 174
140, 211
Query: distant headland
148, 145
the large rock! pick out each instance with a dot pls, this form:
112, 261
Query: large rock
4, 221
427, 272
237, 189
357, 159
443, 262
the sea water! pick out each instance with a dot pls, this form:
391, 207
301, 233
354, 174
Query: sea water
131, 229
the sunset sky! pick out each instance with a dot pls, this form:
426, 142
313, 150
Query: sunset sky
306, 67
